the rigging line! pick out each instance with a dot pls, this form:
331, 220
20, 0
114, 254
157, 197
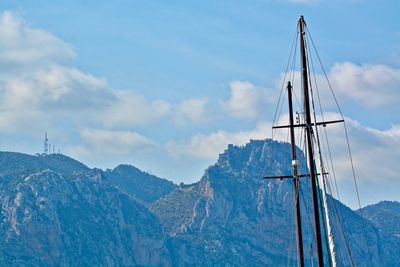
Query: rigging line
278, 114
301, 132
294, 55
335, 209
338, 214
322, 199
323, 119
291, 244
309, 220
327, 148
324, 231
294, 60
357, 192
325, 74
333, 167
303, 147
293, 78
332, 202
297, 100
291, 62
284, 78
347, 140
281, 107
305, 205
270, 217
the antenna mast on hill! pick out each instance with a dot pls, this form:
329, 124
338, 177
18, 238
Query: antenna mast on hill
46, 145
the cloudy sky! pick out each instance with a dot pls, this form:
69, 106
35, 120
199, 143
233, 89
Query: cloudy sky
166, 85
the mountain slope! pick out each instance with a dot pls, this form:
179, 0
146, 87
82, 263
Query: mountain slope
233, 217
141, 185
57, 212
385, 215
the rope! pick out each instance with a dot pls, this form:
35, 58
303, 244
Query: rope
347, 141
284, 80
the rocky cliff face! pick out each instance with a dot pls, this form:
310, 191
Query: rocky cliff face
57, 212
233, 217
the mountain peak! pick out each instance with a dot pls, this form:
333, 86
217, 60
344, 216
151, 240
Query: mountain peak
54, 210
385, 215
141, 185
261, 157
15, 166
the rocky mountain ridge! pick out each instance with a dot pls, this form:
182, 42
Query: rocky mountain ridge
57, 211
236, 218
141, 185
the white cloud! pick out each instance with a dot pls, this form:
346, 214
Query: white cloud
52, 93
39, 93
371, 148
208, 146
21, 43
375, 152
130, 109
39, 89
103, 143
246, 100
58, 93
192, 110
370, 85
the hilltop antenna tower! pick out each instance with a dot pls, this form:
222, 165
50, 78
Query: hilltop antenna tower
46, 145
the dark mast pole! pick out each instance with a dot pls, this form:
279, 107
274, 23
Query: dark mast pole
308, 129
295, 179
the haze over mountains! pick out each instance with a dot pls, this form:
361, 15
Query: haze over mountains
57, 211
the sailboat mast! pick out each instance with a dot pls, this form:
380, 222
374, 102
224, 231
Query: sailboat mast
295, 179
310, 153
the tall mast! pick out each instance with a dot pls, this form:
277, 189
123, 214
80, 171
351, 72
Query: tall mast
308, 132
295, 179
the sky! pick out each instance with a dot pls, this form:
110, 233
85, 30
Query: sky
167, 85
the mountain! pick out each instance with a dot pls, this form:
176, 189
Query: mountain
141, 185
385, 215
57, 212
232, 217
12, 163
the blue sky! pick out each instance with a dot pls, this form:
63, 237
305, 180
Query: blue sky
166, 85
